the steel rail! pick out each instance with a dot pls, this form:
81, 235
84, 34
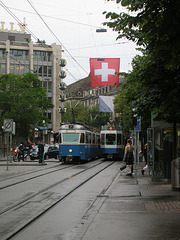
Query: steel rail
43, 190
25, 225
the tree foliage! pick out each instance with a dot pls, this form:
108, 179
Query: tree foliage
154, 25
24, 100
90, 116
154, 82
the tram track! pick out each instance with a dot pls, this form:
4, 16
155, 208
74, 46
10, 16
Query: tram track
25, 173
46, 208
30, 178
29, 197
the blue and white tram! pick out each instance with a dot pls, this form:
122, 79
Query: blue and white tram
78, 143
112, 143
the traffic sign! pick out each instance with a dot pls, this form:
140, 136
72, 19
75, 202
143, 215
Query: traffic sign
43, 128
138, 127
8, 125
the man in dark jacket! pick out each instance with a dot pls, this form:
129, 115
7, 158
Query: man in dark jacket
41, 152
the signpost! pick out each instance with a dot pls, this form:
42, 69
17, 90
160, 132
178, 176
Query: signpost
9, 129
138, 129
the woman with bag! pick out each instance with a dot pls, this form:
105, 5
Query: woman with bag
128, 158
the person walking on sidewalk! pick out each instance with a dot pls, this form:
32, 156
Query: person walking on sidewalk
128, 158
145, 159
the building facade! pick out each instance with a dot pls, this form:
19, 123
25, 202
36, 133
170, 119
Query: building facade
81, 90
19, 55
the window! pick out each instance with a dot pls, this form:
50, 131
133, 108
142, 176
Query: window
49, 87
118, 139
49, 71
49, 116
97, 139
70, 137
93, 138
19, 54
44, 85
42, 56
2, 68
88, 137
60, 141
110, 139
43, 70
2, 53
82, 138
35, 69
19, 69
103, 139
40, 70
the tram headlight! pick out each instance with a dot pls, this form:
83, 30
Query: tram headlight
70, 150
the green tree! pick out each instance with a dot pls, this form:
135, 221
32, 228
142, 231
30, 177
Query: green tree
153, 25
89, 116
96, 118
24, 100
78, 110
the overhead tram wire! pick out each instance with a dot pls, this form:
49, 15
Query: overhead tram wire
27, 29
59, 42
91, 28
57, 18
16, 18
56, 37
102, 45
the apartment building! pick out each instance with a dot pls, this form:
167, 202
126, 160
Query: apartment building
19, 55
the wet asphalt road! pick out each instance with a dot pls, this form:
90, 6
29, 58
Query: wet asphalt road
59, 221
108, 205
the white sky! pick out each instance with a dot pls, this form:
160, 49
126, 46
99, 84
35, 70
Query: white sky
74, 22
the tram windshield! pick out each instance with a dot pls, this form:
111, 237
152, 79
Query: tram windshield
110, 139
70, 137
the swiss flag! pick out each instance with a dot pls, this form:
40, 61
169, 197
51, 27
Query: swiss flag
102, 71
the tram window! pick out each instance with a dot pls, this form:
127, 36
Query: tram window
60, 138
110, 139
70, 137
82, 138
118, 139
88, 137
93, 138
102, 139
97, 139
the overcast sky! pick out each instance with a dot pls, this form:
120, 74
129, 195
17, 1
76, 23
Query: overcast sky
74, 24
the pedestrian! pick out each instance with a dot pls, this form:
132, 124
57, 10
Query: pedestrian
145, 159
21, 152
28, 148
128, 158
41, 152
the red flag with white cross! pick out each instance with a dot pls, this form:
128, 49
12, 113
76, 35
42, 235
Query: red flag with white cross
103, 71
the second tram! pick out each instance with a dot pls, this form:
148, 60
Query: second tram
112, 143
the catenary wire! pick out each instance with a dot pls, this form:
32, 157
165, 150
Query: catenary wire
57, 18
27, 29
56, 36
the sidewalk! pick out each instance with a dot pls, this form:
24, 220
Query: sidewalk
133, 208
